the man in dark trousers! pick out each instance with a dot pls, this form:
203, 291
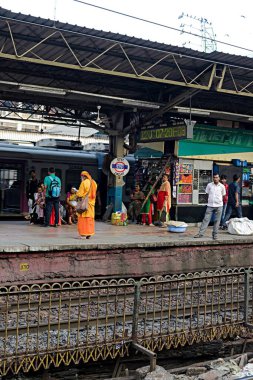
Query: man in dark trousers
53, 186
234, 191
216, 192
31, 189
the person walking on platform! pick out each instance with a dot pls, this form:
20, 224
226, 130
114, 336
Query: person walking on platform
53, 190
216, 191
233, 200
86, 220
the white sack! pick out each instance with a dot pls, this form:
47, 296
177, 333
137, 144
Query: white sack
123, 208
240, 226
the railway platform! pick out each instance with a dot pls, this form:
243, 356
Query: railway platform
30, 254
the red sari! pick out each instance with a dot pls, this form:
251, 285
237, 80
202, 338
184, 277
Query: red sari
164, 197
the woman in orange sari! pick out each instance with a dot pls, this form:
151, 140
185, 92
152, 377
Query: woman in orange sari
86, 220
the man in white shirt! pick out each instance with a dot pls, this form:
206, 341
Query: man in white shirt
216, 191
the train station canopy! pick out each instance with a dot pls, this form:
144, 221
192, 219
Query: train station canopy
73, 70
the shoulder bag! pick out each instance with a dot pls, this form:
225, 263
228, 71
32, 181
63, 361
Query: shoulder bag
83, 203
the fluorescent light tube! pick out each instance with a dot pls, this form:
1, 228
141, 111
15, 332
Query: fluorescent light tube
193, 111
46, 90
141, 104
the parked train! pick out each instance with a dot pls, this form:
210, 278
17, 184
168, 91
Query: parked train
16, 161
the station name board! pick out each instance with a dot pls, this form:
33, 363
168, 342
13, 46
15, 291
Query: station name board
163, 132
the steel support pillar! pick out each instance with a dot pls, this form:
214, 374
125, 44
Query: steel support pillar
117, 144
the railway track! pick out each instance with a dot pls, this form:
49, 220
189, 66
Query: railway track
101, 319
53, 322
11, 305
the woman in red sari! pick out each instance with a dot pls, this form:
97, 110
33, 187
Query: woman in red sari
164, 198
86, 220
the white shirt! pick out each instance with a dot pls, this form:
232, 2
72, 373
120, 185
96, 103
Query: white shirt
215, 194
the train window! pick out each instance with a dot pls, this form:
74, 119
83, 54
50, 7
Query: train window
10, 188
73, 175
44, 173
72, 178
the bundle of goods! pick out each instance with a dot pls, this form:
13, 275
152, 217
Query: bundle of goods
119, 218
174, 226
240, 226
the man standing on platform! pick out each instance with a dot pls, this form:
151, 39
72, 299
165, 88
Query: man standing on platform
216, 191
233, 200
31, 189
53, 190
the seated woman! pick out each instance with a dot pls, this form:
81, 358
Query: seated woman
137, 198
71, 205
39, 206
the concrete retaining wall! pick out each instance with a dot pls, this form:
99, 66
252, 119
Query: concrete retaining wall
29, 267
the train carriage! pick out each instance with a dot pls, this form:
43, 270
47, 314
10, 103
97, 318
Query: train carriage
16, 161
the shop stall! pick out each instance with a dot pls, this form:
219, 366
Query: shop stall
190, 178
220, 150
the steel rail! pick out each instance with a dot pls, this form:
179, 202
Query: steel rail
107, 320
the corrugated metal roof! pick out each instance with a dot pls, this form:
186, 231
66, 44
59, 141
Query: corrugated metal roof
89, 43
108, 36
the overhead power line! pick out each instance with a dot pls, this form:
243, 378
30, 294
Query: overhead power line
159, 24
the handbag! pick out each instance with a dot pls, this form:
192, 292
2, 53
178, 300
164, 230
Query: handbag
82, 205
73, 203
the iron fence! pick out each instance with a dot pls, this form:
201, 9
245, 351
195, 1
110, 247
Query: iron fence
68, 323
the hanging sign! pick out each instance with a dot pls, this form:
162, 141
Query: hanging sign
163, 132
120, 166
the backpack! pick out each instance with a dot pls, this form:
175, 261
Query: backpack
54, 190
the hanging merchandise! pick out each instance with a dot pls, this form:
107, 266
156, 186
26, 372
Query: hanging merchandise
184, 182
190, 178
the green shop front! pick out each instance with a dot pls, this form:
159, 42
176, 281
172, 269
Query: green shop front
211, 150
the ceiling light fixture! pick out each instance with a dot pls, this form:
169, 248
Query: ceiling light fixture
140, 104
98, 120
46, 90
193, 111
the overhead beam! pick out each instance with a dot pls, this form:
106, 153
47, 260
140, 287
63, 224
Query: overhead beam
111, 58
171, 104
106, 72
116, 58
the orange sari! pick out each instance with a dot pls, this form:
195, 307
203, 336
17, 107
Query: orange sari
86, 220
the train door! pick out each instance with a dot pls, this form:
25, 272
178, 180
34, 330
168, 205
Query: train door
11, 188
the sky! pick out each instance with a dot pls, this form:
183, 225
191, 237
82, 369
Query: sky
229, 21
